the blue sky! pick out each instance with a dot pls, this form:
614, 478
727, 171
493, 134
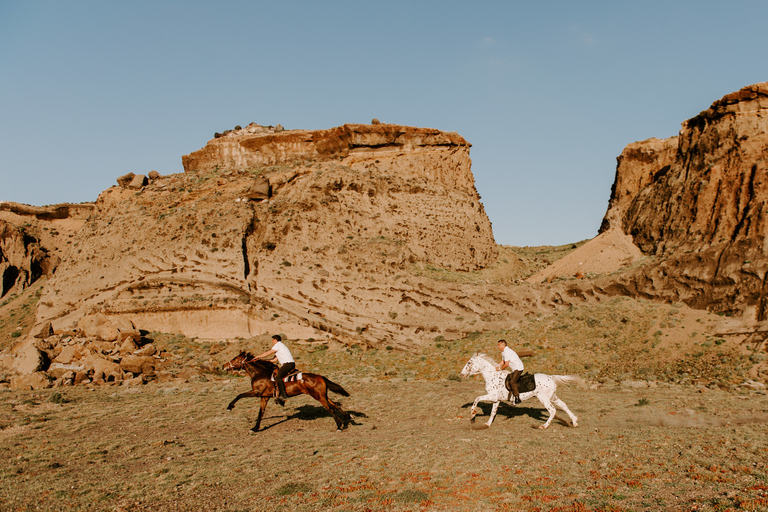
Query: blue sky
548, 93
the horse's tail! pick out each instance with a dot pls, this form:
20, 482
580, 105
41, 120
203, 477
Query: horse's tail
568, 380
335, 387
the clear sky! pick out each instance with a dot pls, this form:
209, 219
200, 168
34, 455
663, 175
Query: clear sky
547, 92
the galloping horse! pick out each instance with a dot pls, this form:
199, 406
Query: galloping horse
497, 391
262, 386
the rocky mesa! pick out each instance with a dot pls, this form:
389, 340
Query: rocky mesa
304, 232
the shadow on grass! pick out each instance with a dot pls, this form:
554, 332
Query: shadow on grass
507, 411
309, 413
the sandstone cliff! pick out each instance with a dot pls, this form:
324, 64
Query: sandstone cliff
697, 203
33, 240
308, 233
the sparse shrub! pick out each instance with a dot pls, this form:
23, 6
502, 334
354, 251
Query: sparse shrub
15, 334
293, 488
392, 315
411, 496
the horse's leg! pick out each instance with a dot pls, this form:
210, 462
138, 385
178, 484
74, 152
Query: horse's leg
319, 391
483, 398
544, 399
264, 400
247, 394
561, 404
341, 412
493, 413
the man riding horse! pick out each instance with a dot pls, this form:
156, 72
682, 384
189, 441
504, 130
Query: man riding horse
287, 364
510, 359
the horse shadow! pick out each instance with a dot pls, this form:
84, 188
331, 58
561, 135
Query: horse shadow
508, 411
309, 412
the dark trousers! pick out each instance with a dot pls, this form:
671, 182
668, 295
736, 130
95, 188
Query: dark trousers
513, 383
282, 372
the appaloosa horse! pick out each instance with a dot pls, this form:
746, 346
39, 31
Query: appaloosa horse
263, 386
496, 391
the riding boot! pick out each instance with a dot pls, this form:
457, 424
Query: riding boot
513, 385
280, 400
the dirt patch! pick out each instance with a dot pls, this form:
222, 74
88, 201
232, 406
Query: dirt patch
606, 253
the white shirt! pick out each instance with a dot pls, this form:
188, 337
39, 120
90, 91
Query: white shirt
514, 360
282, 353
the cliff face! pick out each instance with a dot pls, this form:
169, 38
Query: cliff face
33, 239
698, 203
293, 231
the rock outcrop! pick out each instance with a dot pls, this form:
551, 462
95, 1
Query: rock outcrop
307, 233
698, 204
33, 239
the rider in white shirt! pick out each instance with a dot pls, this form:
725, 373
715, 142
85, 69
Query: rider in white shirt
510, 359
287, 364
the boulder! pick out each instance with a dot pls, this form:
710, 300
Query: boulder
98, 326
153, 175
260, 189
128, 347
36, 380
138, 364
43, 331
138, 181
71, 353
102, 366
125, 179
29, 360
81, 377
148, 350
58, 370
6, 361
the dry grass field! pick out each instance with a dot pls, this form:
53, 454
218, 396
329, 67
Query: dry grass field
664, 444
409, 446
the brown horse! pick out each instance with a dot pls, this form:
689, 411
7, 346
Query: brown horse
263, 386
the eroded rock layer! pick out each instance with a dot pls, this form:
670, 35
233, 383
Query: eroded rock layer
698, 203
294, 231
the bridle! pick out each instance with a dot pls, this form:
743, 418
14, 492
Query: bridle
239, 362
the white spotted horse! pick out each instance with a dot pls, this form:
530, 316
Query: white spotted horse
496, 390
263, 386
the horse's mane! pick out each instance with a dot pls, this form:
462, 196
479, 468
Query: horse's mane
488, 359
267, 365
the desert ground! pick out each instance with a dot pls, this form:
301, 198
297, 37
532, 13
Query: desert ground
640, 445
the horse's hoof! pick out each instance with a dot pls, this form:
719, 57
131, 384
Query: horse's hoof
543, 427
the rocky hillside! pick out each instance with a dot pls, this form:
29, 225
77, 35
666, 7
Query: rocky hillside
697, 203
308, 233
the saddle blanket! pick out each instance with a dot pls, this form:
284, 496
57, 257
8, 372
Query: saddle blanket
291, 377
526, 382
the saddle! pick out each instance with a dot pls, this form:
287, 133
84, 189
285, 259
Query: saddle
292, 375
526, 382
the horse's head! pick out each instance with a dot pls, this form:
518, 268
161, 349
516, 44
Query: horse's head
478, 363
238, 363
470, 368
